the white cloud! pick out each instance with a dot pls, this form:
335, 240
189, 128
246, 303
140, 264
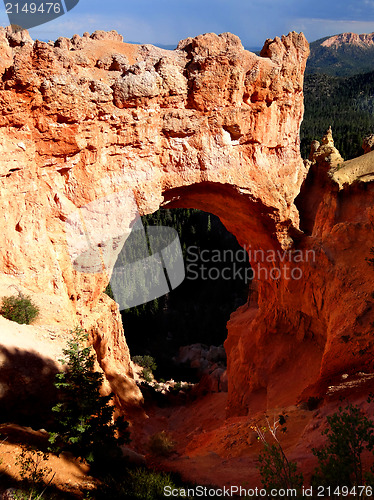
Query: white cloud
76, 23
252, 20
315, 28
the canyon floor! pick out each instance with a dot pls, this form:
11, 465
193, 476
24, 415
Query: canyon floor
214, 450
210, 449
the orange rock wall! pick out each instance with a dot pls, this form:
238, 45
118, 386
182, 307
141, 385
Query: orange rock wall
208, 125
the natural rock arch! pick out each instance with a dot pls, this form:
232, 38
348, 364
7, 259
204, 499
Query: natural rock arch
208, 125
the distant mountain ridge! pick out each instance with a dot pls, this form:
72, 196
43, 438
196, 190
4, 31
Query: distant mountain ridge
346, 54
365, 40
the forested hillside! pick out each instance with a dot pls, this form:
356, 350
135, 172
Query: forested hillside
346, 60
345, 103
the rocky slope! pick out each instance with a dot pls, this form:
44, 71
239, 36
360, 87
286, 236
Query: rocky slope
91, 124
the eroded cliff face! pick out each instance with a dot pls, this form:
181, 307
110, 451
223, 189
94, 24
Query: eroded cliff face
208, 125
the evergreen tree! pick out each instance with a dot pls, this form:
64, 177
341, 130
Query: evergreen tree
84, 418
349, 433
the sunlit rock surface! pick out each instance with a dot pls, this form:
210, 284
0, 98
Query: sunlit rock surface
208, 125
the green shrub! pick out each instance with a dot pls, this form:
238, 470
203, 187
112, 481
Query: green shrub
161, 444
149, 485
349, 434
139, 483
148, 364
277, 471
32, 465
83, 417
145, 362
20, 309
147, 375
36, 476
180, 386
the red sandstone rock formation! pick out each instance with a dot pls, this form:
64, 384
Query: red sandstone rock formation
208, 125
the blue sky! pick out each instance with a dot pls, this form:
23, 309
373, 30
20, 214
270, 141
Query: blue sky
167, 22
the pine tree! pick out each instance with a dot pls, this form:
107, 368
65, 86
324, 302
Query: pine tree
83, 417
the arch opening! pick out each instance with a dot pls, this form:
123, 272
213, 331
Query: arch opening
184, 330
256, 228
